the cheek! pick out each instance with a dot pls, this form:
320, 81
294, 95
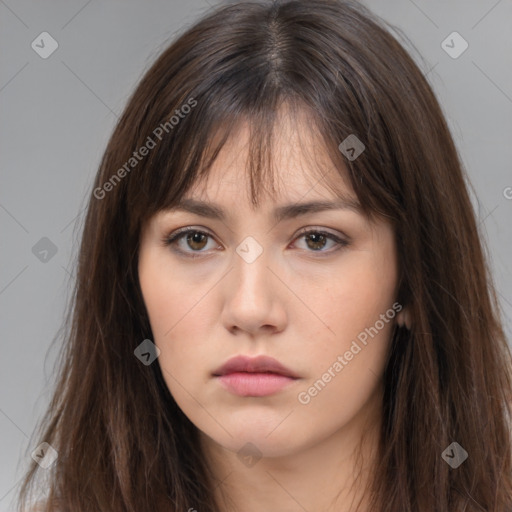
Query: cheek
167, 307
355, 296
171, 299
346, 367
356, 309
181, 316
175, 322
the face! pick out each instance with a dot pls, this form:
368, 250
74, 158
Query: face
315, 291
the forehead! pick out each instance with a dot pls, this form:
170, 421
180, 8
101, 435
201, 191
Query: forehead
296, 164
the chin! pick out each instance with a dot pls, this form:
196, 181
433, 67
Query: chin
257, 441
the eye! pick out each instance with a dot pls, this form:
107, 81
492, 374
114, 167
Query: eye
196, 240
316, 240
193, 238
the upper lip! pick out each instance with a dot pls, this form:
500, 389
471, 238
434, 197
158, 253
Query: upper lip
259, 364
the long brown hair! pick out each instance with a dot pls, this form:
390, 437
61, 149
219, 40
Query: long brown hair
123, 444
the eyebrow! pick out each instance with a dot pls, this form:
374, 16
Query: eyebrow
213, 211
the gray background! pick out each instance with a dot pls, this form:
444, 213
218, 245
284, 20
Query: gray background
57, 114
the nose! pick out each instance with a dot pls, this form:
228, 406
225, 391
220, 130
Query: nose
254, 297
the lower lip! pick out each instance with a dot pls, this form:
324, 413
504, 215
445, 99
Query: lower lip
255, 384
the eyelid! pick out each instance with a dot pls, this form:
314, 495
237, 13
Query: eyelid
316, 229
173, 235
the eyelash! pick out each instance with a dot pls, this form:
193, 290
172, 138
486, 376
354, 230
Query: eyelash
180, 233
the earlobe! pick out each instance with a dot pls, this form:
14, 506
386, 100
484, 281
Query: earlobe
403, 318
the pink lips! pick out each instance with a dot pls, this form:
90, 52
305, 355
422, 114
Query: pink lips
254, 376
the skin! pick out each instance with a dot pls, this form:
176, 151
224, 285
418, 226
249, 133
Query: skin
291, 303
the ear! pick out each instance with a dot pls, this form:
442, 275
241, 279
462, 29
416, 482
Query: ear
404, 318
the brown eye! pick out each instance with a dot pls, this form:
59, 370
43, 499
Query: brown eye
196, 240
190, 242
318, 240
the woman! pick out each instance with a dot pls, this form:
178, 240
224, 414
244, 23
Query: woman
282, 300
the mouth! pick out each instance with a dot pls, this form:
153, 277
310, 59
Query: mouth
256, 377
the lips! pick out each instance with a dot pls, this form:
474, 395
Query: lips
259, 364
